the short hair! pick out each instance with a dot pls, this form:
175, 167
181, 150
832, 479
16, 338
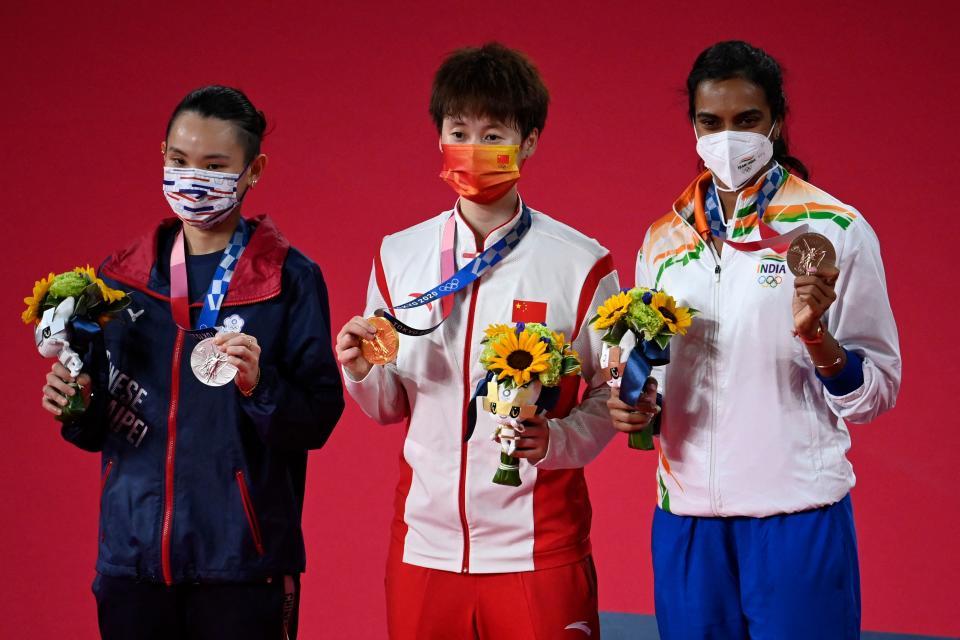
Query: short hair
232, 105
491, 81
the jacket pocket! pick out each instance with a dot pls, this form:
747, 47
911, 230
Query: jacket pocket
249, 512
104, 477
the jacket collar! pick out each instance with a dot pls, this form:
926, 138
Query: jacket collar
466, 239
258, 274
690, 204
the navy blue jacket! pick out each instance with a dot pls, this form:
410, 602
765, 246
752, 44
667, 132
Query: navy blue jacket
201, 484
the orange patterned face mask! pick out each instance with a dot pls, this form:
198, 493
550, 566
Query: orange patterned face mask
481, 173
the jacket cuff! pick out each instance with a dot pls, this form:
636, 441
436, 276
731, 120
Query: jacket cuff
848, 380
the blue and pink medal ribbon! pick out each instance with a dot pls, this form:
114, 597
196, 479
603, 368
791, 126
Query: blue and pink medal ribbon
216, 293
454, 282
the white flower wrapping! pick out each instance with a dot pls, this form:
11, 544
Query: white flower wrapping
613, 360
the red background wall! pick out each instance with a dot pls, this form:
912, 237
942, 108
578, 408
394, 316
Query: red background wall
87, 93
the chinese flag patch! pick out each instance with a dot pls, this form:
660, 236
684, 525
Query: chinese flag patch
503, 159
529, 311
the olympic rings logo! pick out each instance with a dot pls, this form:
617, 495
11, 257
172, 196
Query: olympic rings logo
770, 281
452, 286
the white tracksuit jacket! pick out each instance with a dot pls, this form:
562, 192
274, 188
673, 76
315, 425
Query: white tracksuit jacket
747, 427
449, 514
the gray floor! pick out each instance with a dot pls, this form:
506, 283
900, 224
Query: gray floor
631, 626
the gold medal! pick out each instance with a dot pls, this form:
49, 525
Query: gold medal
384, 346
810, 251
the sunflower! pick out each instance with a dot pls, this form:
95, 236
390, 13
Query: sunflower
495, 330
676, 318
109, 295
610, 312
519, 356
40, 288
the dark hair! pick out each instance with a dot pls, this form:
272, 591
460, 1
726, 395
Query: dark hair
737, 59
491, 81
226, 103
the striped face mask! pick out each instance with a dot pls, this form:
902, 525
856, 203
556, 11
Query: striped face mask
199, 197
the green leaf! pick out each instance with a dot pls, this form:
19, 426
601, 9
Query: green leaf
593, 319
615, 334
663, 340
569, 365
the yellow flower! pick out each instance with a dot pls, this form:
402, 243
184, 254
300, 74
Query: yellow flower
109, 295
676, 318
612, 310
519, 356
40, 288
495, 330
559, 341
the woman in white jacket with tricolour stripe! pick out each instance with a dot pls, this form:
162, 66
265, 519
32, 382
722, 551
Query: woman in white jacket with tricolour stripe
754, 535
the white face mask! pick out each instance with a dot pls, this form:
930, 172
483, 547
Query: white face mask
199, 197
735, 156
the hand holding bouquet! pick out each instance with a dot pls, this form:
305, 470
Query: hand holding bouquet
68, 310
637, 326
525, 364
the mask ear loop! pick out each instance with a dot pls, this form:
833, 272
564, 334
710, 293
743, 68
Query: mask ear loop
245, 191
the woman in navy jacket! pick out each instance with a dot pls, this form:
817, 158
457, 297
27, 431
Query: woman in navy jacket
203, 486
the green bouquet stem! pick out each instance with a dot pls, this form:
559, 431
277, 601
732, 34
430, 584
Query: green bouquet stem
74, 407
509, 472
642, 439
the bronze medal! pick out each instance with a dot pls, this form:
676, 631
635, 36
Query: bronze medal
810, 251
384, 346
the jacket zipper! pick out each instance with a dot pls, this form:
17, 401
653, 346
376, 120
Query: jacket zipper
105, 476
716, 382
169, 466
467, 396
103, 485
250, 512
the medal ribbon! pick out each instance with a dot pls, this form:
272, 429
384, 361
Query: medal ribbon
462, 278
217, 292
769, 238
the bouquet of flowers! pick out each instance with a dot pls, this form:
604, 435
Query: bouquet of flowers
638, 324
525, 364
70, 307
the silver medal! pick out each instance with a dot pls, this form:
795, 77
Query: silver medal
210, 364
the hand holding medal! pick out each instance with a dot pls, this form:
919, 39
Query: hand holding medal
812, 259
240, 353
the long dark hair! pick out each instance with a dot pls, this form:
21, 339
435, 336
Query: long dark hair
737, 59
227, 103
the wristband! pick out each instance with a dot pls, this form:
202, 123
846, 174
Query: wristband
818, 339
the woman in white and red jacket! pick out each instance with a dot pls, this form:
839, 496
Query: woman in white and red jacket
754, 534
469, 556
